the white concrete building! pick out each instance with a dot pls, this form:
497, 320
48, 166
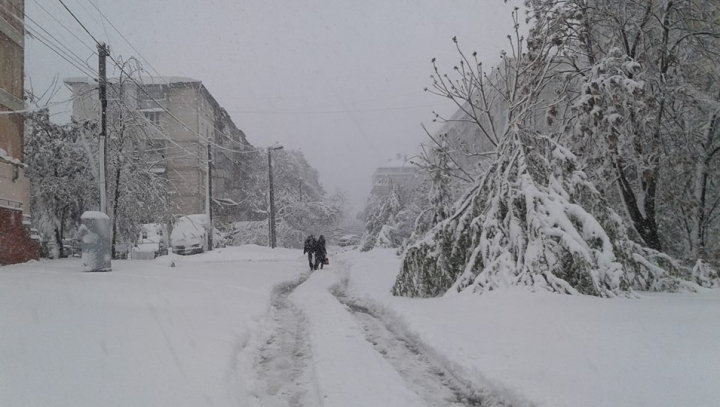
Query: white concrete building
187, 118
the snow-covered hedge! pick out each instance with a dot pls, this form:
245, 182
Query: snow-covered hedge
256, 232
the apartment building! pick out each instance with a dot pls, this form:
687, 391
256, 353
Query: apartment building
399, 171
184, 118
15, 243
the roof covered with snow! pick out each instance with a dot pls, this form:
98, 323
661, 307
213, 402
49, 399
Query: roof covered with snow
402, 162
145, 80
7, 157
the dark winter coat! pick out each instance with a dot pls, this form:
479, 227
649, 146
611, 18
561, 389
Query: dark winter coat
320, 251
310, 244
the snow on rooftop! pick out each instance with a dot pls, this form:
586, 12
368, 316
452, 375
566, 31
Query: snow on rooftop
145, 80
402, 162
12, 160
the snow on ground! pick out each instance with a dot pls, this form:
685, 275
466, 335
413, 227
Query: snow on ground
249, 326
349, 372
557, 350
145, 334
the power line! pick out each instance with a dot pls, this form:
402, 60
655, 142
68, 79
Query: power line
57, 41
381, 109
127, 41
102, 23
64, 26
77, 62
142, 89
162, 78
59, 53
123, 71
79, 22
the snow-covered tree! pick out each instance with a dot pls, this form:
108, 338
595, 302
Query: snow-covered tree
301, 204
445, 179
382, 211
534, 219
61, 178
391, 218
644, 105
136, 193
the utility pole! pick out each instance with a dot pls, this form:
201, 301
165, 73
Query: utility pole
208, 197
271, 220
102, 87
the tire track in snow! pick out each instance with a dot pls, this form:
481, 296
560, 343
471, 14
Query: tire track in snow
284, 367
424, 375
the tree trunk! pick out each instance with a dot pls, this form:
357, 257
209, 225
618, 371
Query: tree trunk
697, 244
645, 224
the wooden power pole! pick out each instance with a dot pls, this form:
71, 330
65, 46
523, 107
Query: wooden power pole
271, 219
102, 87
208, 197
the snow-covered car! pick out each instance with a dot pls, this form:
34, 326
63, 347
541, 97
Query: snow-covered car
152, 242
71, 248
349, 240
189, 236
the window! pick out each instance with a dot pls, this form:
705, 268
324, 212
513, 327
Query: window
153, 117
152, 92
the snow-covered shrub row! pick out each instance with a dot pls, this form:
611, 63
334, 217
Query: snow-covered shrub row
256, 232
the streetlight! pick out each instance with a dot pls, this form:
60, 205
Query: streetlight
271, 220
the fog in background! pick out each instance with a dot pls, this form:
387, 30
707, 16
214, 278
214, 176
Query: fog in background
340, 80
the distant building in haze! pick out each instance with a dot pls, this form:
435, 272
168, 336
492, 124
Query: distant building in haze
399, 171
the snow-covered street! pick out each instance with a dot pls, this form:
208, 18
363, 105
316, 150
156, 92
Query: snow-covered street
250, 326
145, 334
359, 204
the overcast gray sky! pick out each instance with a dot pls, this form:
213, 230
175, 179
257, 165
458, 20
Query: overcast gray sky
342, 80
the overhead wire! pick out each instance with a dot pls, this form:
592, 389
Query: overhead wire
69, 56
142, 89
64, 26
102, 22
162, 78
93, 74
380, 109
79, 22
48, 105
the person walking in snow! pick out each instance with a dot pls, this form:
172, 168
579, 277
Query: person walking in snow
320, 252
309, 248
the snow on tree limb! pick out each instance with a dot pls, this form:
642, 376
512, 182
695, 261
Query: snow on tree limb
535, 219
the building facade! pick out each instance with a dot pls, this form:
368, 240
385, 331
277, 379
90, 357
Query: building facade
15, 242
183, 119
399, 171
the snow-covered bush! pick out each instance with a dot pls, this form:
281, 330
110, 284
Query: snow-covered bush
534, 220
705, 275
391, 217
256, 232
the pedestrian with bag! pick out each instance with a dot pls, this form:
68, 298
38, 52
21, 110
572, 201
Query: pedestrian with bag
320, 252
